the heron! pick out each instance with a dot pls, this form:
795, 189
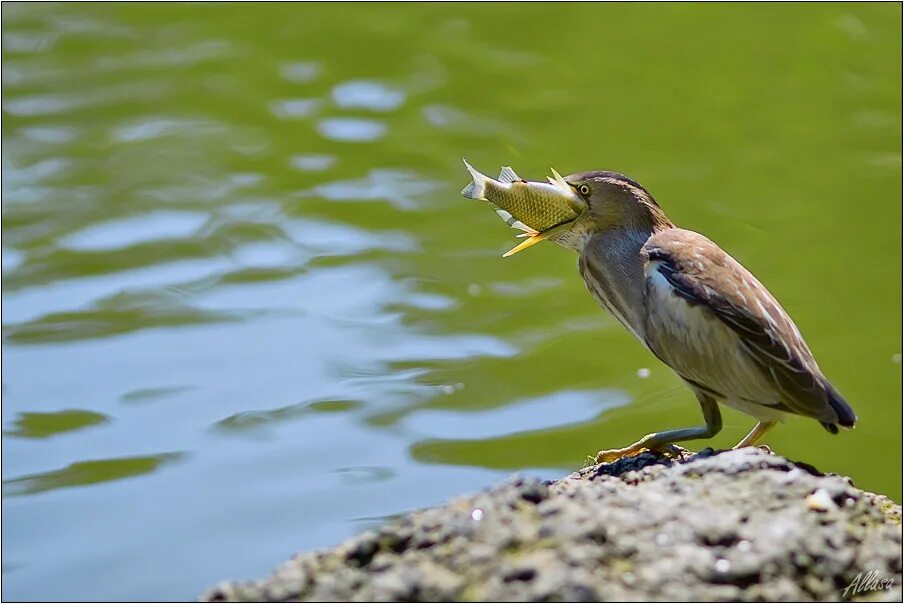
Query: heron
697, 309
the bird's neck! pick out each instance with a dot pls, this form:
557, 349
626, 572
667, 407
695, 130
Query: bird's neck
658, 221
612, 267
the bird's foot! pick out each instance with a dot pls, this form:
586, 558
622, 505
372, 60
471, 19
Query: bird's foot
612, 455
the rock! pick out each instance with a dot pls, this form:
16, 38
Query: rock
735, 525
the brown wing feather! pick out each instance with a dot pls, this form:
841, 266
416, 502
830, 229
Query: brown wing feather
701, 273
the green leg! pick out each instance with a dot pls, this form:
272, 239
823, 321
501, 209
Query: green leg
660, 440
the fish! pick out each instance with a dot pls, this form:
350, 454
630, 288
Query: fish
538, 209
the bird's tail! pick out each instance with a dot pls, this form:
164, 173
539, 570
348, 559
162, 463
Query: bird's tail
846, 416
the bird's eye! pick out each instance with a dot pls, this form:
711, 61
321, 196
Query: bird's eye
584, 190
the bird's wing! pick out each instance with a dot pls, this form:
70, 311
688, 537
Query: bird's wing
702, 274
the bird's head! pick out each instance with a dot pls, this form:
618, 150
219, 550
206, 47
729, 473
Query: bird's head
613, 201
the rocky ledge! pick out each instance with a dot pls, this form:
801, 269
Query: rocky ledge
733, 525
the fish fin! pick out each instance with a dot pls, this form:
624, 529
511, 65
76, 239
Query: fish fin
508, 175
477, 188
559, 181
512, 221
576, 203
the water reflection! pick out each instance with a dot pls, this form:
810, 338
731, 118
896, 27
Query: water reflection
54, 135
123, 314
150, 128
295, 108
548, 412
364, 94
401, 188
351, 129
134, 230
43, 425
254, 421
28, 304
300, 72
313, 163
84, 473
144, 395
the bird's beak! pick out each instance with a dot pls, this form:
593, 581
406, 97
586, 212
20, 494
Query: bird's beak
535, 238
531, 240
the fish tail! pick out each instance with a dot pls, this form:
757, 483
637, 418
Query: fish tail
477, 188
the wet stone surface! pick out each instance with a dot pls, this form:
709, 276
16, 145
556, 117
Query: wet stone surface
735, 525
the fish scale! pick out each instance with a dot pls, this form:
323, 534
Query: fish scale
535, 209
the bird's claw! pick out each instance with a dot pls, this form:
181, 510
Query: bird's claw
612, 455
673, 451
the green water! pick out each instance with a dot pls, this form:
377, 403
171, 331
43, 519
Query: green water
246, 311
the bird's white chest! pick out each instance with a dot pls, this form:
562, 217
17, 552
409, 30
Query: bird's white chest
700, 347
671, 318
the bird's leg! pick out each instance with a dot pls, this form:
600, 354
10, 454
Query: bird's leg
759, 430
660, 440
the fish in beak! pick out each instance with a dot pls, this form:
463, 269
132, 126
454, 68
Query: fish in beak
539, 209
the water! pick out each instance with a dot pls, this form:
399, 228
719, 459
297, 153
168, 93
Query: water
246, 312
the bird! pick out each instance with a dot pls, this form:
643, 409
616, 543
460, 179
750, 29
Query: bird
699, 311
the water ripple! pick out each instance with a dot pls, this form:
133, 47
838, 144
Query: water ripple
53, 135
351, 129
12, 259
361, 475
20, 177
144, 395
266, 254
66, 296
300, 72
338, 239
27, 42
294, 108
150, 128
450, 118
256, 420
312, 162
202, 51
553, 410
367, 94
401, 188
123, 315
134, 230
36, 105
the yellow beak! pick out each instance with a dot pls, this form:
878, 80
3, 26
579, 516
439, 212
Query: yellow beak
536, 238
532, 240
